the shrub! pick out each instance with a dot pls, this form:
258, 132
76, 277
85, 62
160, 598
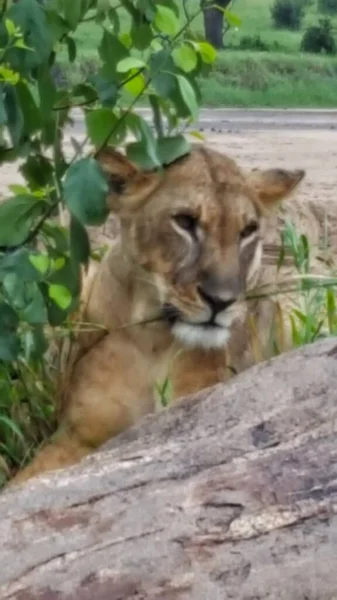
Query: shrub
156, 58
319, 38
327, 6
287, 13
248, 42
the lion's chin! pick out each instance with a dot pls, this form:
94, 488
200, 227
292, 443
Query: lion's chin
201, 336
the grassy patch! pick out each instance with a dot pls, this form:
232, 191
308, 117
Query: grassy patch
252, 79
246, 78
27, 414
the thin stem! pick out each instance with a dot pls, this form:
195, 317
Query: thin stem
87, 102
34, 232
121, 120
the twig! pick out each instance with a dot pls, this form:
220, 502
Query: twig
88, 102
32, 234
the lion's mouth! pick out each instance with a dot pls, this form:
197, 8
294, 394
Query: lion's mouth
172, 316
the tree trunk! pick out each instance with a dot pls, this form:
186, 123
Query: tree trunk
232, 494
214, 23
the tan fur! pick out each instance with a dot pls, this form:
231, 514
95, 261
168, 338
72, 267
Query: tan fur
110, 373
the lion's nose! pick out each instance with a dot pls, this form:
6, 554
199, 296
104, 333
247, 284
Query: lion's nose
216, 303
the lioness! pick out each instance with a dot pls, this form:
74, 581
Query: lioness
169, 294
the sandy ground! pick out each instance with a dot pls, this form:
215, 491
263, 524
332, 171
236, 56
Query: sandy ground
289, 139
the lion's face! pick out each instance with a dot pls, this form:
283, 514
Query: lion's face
194, 234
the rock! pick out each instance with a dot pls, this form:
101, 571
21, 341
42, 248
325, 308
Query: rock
231, 494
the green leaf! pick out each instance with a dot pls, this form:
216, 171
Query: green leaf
16, 218
79, 241
38, 171
125, 39
15, 119
30, 16
30, 111
166, 21
85, 192
3, 113
185, 58
57, 236
188, 95
232, 19
198, 135
34, 343
61, 295
10, 27
147, 9
72, 48
9, 341
18, 262
73, 11
35, 311
131, 62
146, 148
136, 152
172, 148
141, 34
164, 84
47, 92
111, 47
14, 291
114, 20
10, 424
207, 52
99, 122
107, 91
331, 309
10, 346
59, 263
162, 66
136, 85
103, 5
41, 262
26, 298
83, 91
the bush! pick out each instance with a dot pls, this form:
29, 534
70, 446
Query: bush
319, 38
287, 14
249, 42
40, 259
327, 6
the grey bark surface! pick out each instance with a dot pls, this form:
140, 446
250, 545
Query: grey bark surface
231, 494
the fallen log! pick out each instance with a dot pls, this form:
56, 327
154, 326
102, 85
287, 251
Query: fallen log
232, 494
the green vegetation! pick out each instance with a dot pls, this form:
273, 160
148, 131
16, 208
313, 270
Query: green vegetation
272, 80
320, 38
287, 14
328, 6
112, 60
41, 259
261, 65
316, 317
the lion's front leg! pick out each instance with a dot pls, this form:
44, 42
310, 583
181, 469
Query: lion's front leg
62, 451
109, 390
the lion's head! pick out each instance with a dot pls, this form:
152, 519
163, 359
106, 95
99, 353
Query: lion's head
194, 232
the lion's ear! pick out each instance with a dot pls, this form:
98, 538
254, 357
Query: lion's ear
129, 187
274, 185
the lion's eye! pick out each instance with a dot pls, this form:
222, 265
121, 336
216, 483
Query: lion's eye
250, 228
187, 222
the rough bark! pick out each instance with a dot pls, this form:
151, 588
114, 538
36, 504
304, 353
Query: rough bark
214, 24
232, 494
